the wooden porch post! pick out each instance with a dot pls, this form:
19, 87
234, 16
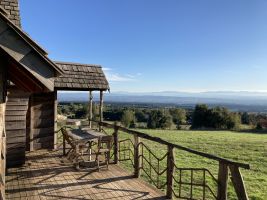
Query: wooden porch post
238, 183
90, 116
31, 122
136, 156
170, 171
55, 119
222, 181
101, 109
116, 144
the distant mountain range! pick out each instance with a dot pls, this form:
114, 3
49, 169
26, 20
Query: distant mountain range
225, 98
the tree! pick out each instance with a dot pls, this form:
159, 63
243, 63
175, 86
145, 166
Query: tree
200, 116
245, 119
128, 118
166, 121
154, 119
140, 116
178, 116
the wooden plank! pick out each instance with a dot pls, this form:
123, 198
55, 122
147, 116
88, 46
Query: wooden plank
15, 145
31, 124
43, 105
238, 183
16, 140
170, 171
44, 113
49, 139
42, 132
16, 125
222, 181
55, 119
16, 113
101, 109
13, 45
39, 69
42, 123
10, 118
90, 116
116, 145
17, 107
18, 103
15, 133
136, 157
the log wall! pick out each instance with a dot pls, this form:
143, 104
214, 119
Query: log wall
41, 121
15, 119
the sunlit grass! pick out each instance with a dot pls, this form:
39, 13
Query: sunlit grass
243, 147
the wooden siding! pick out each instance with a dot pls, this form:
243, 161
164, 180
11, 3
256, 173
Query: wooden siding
41, 124
16, 112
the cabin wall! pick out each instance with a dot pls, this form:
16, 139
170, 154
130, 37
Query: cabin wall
2, 132
15, 119
42, 121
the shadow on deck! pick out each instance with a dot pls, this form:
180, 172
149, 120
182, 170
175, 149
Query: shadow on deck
47, 175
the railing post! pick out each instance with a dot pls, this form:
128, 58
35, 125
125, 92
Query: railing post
170, 171
64, 145
222, 181
238, 183
116, 144
136, 156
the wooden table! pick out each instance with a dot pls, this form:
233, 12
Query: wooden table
85, 136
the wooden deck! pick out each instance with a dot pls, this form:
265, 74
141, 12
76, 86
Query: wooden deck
46, 175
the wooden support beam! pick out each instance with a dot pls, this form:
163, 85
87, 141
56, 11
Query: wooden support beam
90, 109
170, 171
222, 181
238, 183
55, 119
31, 123
116, 144
136, 156
101, 109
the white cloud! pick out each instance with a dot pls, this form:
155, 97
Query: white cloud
116, 77
106, 69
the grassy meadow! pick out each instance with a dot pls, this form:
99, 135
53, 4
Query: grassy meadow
249, 148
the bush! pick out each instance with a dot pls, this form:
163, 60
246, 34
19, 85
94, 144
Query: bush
217, 118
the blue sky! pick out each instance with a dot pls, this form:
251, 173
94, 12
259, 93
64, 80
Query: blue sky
158, 45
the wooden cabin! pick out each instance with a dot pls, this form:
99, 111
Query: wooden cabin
27, 93
25, 70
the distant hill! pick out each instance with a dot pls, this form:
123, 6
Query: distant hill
237, 101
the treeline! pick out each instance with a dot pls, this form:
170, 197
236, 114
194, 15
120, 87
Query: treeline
201, 117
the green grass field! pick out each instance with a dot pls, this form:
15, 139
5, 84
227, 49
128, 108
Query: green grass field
243, 147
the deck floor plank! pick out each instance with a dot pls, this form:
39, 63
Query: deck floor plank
47, 175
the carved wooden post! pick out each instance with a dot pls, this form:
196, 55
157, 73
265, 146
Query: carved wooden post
222, 181
90, 109
64, 145
136, 156
55, 119
31, 123
101, 109
170, 171
116, 144
238, 183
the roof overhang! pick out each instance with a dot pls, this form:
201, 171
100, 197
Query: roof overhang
25, 54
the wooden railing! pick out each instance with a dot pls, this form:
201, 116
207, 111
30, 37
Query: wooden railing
174, 184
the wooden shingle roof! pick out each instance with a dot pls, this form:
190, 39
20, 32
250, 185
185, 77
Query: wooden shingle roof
81, 77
